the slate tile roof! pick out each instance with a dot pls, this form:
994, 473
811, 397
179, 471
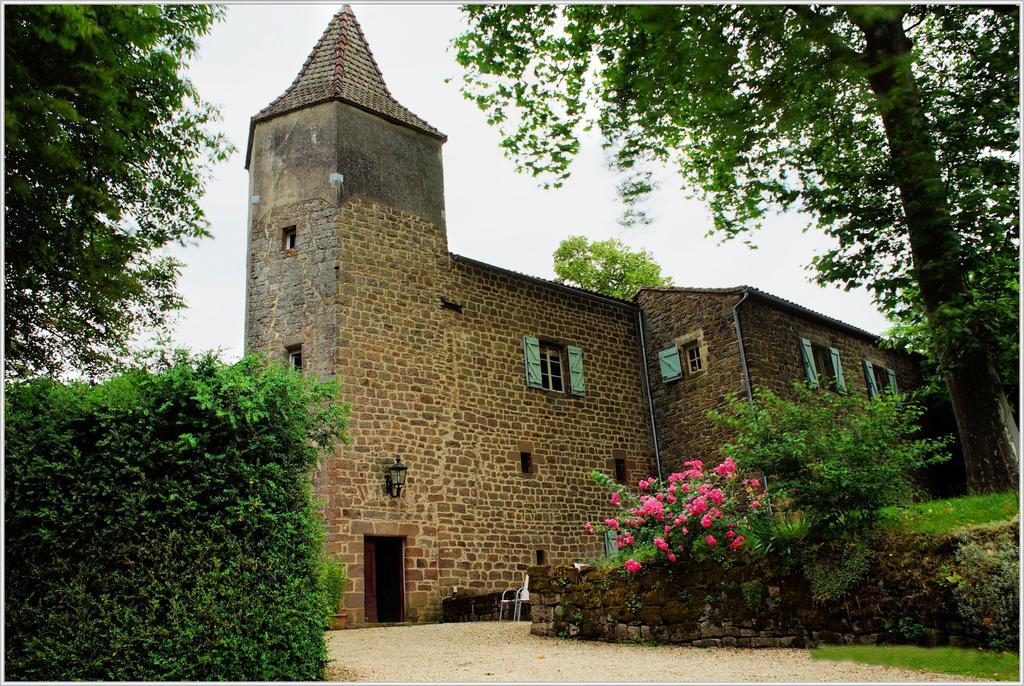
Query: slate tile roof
341, 67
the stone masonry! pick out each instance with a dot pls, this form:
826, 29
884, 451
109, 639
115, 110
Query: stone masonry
428, 347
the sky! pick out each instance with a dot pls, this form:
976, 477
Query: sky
494, 214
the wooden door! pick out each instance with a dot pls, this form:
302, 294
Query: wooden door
370, 580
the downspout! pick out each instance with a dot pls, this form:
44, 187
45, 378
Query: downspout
746, 372
647, 388
739, 339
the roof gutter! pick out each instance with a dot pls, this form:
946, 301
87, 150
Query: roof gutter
647, 388
739, 340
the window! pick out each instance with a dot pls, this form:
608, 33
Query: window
694, 361
620, 470
881, 378
546, 366
551, 368
542, 557
295, 358
526, 463
290, 237
823, 365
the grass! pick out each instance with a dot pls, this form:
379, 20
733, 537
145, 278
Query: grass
947, 516
982, 664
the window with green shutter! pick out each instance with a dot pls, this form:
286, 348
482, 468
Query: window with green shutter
576, 378
546, 365
671, 365
531, 356
807, 355
837, 369
869, 377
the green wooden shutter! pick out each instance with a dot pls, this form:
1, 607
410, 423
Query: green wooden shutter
609, 544
531, 355
809, 369
838, 367
869, 376
671, 366
892, 381
576, 379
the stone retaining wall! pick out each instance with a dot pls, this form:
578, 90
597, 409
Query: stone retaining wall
753, 605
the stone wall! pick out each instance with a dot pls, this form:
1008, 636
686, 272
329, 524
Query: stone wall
754, 604
681, 407
771, 337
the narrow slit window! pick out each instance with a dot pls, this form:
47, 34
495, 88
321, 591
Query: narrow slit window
295, 359
620, 470
526, 463
290, 237
542, 557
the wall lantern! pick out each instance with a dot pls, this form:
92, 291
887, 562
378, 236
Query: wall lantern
394, 479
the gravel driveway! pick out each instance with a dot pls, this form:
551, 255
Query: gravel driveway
492, 651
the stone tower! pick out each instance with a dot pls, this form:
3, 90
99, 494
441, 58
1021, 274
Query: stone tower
346, 255
349, 274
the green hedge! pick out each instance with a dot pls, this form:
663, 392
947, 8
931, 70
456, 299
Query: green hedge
160, 525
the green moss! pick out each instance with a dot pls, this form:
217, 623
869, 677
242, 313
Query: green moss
947, 516
981, 664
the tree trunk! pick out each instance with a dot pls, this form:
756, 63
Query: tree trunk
988, 430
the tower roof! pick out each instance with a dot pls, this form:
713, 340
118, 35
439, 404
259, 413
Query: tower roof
341, 67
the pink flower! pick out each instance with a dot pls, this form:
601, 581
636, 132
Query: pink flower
652, 507
671, 557
706, 521
726, 469
628, 539
730, 534
612, 523
716, 496
668, 528
615, 498
685, 531
711, 541
737, 543
755, 504
671, 499
755, 483
643, 484
588, 528
660, 543
632, 566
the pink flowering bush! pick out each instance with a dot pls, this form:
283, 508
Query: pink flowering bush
693, 513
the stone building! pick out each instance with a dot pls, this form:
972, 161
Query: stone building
501, 392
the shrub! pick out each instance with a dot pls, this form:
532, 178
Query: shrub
834, 569
837, 458
987, 590
160, 525
333, 577
693, 513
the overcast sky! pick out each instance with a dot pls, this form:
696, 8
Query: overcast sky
494, 214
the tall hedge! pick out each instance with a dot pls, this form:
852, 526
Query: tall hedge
160, 525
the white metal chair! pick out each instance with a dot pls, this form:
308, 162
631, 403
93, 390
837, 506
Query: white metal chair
520, 596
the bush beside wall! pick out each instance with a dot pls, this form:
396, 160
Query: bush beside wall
160, 525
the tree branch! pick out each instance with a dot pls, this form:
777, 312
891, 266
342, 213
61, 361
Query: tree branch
819, 29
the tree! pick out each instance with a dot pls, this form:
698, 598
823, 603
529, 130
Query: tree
608, 267
107, 144
895, 128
